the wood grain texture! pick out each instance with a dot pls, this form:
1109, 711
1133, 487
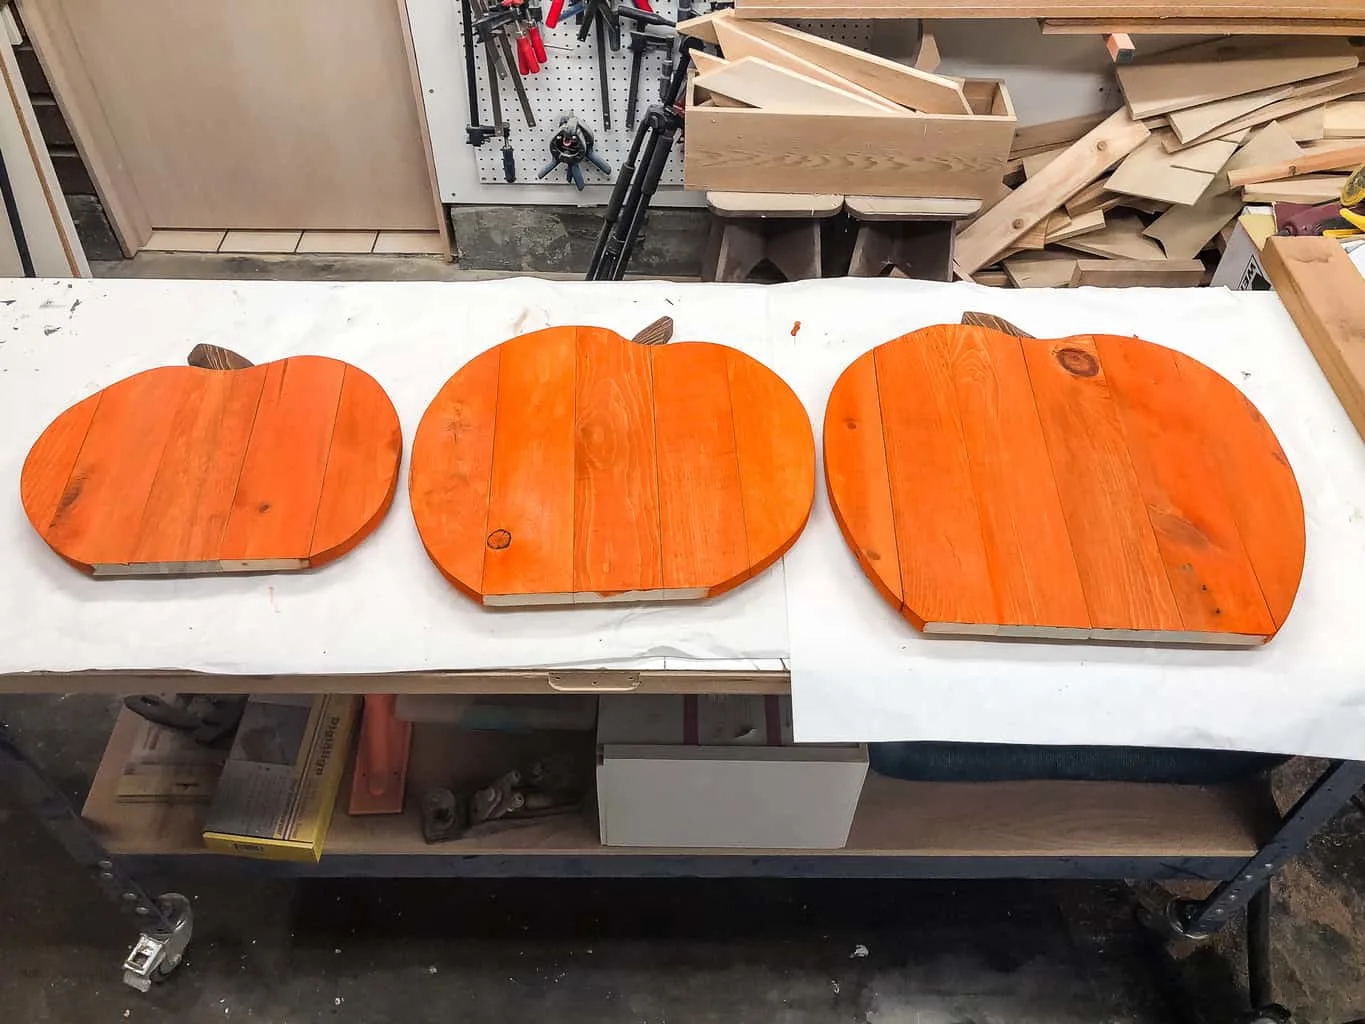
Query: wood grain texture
276, 504
737, 42
773, 444
668, 472
454, 448
1108, 10
701, 506
757, 83
935, 507
529, 548
857, 479
616, 544
1113, 541
360, 479
1137, 273
188, 470
1335, 158
1206, 26
918, 90
1032, 568
1084, 161
1211, 578
1220, 68
1100, 488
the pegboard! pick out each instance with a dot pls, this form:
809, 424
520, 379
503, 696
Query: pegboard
569, 83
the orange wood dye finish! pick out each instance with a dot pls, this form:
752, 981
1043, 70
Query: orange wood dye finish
182, 470
572, 466
1087, 487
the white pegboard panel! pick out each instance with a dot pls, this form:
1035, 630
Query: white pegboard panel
569, 83
470, 175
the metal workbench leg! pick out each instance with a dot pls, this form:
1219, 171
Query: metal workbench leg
166, 921
1336, 786
1250, 887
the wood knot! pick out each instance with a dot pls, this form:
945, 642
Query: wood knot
499, 539
1077, 362
1018, 224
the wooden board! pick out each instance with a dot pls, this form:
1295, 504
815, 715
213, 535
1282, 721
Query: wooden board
1206, 26
1184, 231
1063, 489
572, 466
1215, 70
182, 470
1267, 144
736, 42
1085, 160
1120, 239
1151, 172
894, 817
1323, 292
1311, 188
1301, 97
1109, 10
1340, 157
757, 83
918, 90
1344, 119
1138, 274
1040, 270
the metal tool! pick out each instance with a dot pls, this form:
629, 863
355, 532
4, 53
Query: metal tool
477, 133
603, 18
624, 217
641, 42
493, 24
570, 145
210, 719
549, 786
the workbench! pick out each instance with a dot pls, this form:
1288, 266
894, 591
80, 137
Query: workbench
305, 633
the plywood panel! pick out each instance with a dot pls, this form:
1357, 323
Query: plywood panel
258, 114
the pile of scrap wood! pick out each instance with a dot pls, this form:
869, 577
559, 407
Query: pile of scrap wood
1147, 190
776, 67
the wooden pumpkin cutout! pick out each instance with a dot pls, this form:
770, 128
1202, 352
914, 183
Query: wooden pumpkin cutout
992, 484
216, 467
573, 466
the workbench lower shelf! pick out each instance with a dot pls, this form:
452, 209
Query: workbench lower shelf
900, 829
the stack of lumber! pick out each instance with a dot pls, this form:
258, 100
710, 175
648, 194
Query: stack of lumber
779, 68
1203, 130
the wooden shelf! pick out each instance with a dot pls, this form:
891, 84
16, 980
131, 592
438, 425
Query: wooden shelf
774, 681
1110, 10
894, 819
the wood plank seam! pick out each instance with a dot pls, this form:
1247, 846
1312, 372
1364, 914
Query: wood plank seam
81, 447
890, 492
312, 532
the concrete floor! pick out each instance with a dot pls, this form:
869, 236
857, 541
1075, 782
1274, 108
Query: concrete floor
633, 951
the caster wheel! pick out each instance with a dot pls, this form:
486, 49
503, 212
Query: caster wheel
158, 952
1271, 1013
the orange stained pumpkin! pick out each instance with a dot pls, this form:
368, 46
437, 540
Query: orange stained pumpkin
573, 466
1087, 487
181, 469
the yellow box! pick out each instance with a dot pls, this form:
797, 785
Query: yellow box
279, 785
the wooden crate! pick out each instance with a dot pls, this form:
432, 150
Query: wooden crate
736, 149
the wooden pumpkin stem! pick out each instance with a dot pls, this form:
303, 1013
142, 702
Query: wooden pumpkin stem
660, 332
995, 323
215, 357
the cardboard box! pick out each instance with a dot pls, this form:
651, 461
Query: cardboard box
1239, 269
720, 772
742, 149
279, 785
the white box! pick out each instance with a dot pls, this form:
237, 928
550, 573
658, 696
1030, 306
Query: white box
720, 772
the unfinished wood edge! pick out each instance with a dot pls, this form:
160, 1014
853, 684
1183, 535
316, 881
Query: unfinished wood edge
208, 567
59, 214
57, 52
423, 128
1120, 47
1183, 638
